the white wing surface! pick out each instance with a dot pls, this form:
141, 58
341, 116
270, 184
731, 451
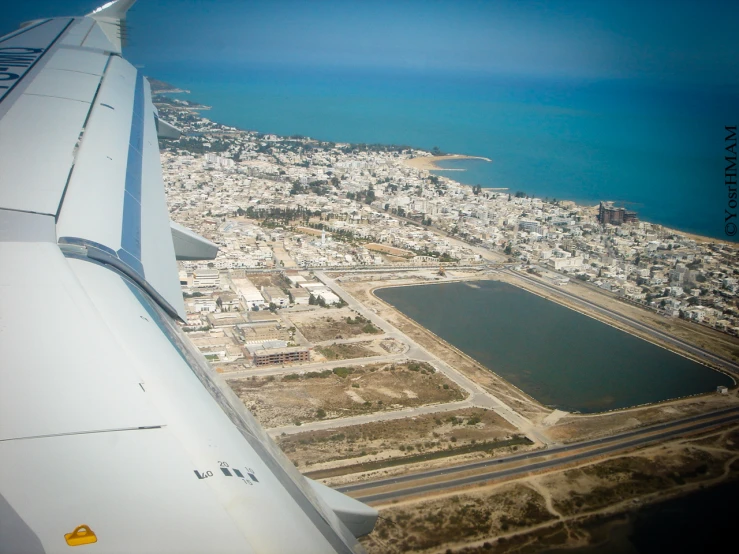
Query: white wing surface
115, 435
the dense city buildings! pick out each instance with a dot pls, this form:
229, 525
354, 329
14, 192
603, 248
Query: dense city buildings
295, 203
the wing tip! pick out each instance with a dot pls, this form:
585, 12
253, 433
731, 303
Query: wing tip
115, 10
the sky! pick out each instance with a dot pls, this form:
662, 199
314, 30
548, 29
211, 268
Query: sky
692, 42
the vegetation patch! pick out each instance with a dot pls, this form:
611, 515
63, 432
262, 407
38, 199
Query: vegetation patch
401, 439
466, 517
341, 324
346, 351
417, 458
613, 481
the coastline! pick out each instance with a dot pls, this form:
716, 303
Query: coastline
698, 238
428, 163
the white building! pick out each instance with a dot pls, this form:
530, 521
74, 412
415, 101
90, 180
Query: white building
328, 297
275, 296
250, 295
205, 278
565, 263
300, 296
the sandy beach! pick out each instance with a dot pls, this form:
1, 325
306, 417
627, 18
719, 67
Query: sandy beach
428, 163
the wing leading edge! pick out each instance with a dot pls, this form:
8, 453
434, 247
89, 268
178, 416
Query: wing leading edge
108, 417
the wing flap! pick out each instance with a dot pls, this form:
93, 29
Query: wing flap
80, 61
115, 198
93, 205
81, 375
35, 164
60, 83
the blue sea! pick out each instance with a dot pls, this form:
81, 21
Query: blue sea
654, 147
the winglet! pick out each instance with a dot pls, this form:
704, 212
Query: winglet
111, 18
114, 10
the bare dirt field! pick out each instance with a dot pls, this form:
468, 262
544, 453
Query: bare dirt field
385, 249
555, 509
343, 392
260, 280
395, 439
331, 352
344, 323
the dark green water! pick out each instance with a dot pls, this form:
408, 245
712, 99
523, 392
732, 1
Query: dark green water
562, 358
704, 521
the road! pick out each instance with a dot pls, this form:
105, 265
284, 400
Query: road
572, 453
315, 366
369, 418
351, 340
478, 396
700, 353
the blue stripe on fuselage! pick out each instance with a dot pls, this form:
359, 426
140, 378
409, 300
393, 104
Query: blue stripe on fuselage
130, 251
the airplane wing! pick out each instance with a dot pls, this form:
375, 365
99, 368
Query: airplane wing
115, 434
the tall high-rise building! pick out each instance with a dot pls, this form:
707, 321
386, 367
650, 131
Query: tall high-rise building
608, 213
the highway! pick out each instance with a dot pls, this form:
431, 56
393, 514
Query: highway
577, 452
700, 353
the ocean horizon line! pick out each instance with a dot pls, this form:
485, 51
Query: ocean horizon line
581, 184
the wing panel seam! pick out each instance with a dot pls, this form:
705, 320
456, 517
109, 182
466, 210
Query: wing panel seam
91, 432
82, 133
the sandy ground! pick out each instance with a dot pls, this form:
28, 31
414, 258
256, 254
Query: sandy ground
578, 427
298, 398
323, 325
428, 163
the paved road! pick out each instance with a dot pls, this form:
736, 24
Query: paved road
699, 352
316, 366
596, 447
370, 418
478, 396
